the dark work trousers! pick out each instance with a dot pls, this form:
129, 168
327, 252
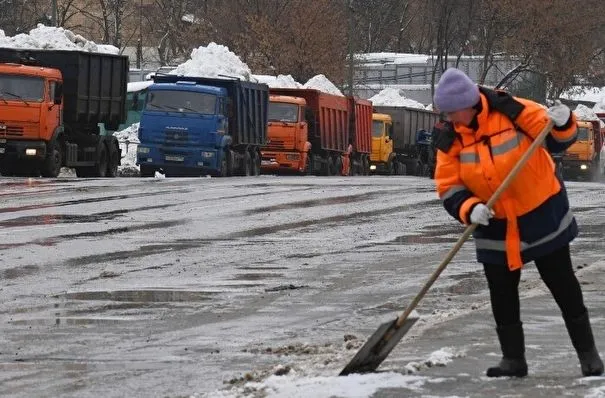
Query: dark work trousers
557, 273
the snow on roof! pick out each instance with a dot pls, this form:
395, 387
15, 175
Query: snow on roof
214, 60
322, 83
580, 93
585, 113
51, 38
138, 86
393, 58
392, 97
280, 81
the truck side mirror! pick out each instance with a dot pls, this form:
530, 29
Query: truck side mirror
58, 94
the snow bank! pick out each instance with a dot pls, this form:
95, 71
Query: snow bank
129, 142
392, 97
585, 113
280, 81
599, 106
354, 386
322, 83
48, 37
214, 60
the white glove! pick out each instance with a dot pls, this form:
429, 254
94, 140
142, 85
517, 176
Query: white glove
481, 214
559, 113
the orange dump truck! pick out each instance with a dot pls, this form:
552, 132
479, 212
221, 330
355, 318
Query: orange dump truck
582, 158
52, 103
308, 133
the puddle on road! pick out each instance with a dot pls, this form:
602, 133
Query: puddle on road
351, 219
18, 272
256, 277
141, 296
93, 200
319, 202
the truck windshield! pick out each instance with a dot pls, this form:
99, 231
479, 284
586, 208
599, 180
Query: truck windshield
377, 128
181, 101
582, 134
24, 88
282, 112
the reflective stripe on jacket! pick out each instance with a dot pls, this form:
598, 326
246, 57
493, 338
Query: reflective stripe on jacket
532, 217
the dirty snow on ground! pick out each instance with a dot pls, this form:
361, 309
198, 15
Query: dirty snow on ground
322, 83
48, 37
351, 386
214, 60
393, 97
129, 141
279, 81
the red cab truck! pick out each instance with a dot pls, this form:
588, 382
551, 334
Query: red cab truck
308, 132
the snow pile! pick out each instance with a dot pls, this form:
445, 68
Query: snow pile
353, 386
129, 142
280, 81
322, 83
392, 97
48, 37
585, 113
599, 106
441, 357
215, 60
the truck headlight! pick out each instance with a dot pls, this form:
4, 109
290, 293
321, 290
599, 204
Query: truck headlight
207, 155
373, 167
142, 149
30, 151
583, 167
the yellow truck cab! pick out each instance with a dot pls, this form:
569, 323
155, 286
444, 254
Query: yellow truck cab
382, 144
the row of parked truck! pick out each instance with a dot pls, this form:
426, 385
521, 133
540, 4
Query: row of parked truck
193, 125
59, 108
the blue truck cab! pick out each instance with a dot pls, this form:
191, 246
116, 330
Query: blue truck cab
199, 126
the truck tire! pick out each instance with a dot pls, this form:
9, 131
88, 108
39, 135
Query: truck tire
309, 167
100, 169
338, 166
224, 171
401, 169
114, 161
53, 161
256, 159
246, 169
366, 166
329, 168
147, 171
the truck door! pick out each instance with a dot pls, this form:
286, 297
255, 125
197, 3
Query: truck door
53, 117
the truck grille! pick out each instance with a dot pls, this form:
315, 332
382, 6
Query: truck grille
11, 131
178, 136
275, 145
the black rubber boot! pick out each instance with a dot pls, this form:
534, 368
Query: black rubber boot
512, 343
583, 341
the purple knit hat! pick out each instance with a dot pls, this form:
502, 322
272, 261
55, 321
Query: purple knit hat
455, 91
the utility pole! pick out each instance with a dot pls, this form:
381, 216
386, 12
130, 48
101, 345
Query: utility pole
140, 41
350, 47
54, 13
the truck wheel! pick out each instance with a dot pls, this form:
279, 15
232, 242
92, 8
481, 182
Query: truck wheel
224, 171
401, 169
247, 165
366, 166
309, 167
112, 167
147, 171
338, 166
53, 161
101, 167
329, 167
256, 163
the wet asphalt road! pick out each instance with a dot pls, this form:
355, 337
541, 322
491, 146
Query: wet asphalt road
174, 287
